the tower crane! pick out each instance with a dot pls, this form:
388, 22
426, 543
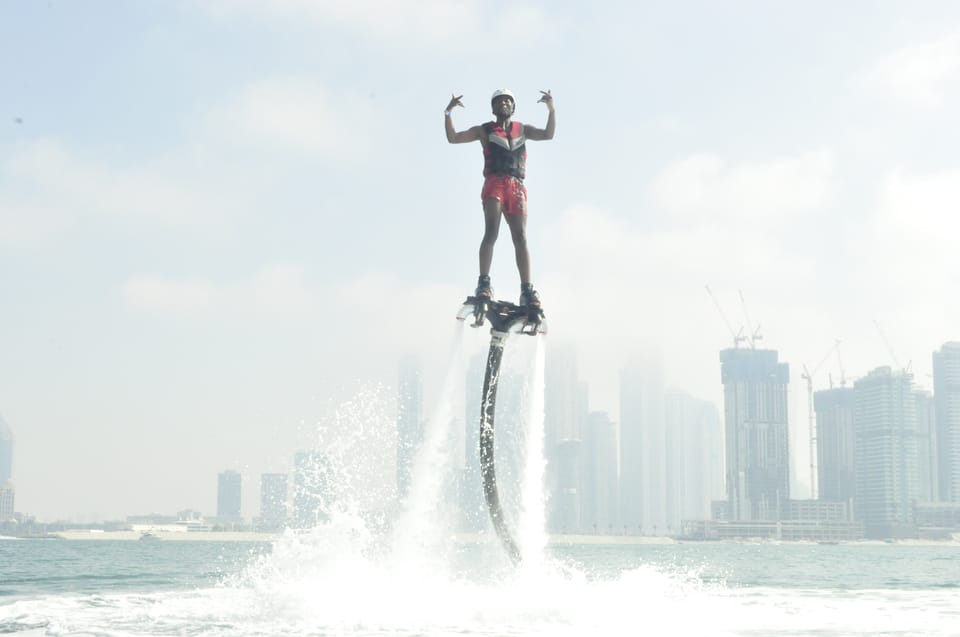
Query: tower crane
738, 336
754, 332
886, 343
843, 374
808, 376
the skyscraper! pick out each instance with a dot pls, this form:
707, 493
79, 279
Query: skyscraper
835, 458
565, 408
273, 500
599, 490
643, 508
565, 512
694, 470
946, 394
409, 421
6, 501
562, 396
927, 461
757, 442
885, 452
228, 495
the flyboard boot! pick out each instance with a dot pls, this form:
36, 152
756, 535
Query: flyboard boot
481, 299
530, 302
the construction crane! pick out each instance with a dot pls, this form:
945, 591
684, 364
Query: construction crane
843, 375
738, 336
808, 376
754, 332
886, 343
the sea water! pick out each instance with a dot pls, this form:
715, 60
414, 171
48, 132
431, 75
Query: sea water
320, 584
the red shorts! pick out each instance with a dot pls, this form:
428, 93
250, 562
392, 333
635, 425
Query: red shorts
509, 191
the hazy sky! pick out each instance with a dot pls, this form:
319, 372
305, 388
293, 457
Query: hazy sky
218, 218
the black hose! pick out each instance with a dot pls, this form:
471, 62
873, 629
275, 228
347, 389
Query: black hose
487, 465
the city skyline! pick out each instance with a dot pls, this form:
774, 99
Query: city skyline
878, 454
206, 248
561, 426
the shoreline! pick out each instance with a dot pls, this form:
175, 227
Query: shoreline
466, 538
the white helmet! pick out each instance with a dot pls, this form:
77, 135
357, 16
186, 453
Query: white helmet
503, 91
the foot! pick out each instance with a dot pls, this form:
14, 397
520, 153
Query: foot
483, 287
529, 296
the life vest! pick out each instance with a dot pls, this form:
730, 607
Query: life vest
504, 154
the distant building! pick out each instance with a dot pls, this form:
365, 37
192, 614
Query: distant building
803, 520
600, 499
836, 479
927, 461
946, 392
885, 448
312, 488
643, 448
757, 442
273, 500
694, 470
937, 520
7, 496
565, 409
409, 421
7, 492
228, 496
566, 511
6, 451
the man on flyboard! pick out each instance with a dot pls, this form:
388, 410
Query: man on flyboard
503, 194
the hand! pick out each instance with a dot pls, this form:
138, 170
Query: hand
546, 98
454, 101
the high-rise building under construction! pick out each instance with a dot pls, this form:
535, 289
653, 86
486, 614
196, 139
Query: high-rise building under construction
756, 431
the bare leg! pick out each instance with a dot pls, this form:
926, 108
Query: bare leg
491, 220
518, 230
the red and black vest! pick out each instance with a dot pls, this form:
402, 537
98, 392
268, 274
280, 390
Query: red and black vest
505, 153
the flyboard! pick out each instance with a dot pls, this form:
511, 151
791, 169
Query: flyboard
505, 319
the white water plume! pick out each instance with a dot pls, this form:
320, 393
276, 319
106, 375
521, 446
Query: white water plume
531, 532
351, 466
425, 524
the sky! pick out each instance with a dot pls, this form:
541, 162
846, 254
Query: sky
219, 220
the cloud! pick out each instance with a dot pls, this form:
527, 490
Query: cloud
276, 290
296, 115
601, 257
49, 187
414, 24
707, 187
151, 293
907, 255
378, 309
24, 223
615, 288
919, 74
919, 209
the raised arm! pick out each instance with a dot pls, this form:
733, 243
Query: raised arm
470, 135
540, 134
